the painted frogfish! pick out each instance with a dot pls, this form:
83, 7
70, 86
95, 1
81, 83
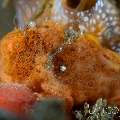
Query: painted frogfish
67, 49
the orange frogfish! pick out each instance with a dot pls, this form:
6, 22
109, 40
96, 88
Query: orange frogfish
63, 55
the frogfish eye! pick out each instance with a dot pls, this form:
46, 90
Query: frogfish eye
80, 5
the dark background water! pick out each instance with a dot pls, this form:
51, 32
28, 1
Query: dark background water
6, 18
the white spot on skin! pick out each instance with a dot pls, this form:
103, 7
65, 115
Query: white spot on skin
108, 11
100, 11
32, 24
111, 18
114, 23
103, 15
93, 29
82, 29
94, 21
113, 11
106, 19
82, 14
117, 30
86, 19
98, 17
66, 11
71, 13
78, 14
71, 27
63, 68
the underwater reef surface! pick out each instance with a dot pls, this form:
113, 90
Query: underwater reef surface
67, 50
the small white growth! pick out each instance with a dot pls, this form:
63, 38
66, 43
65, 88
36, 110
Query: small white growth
70, 20
32, 24
113, 11
78, 14
110, 18
103, 15
108, 11
63, 68
97, 17
82, 29
117, 30
71, 13
106, 19
114, 23
66, 11
86, 19
100, 11
71, 27
60, 49
93, 29
82, 14
108, 24
102, 4
94, 21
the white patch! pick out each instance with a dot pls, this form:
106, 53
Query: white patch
103, 15
72, 13
97, 17
82, 29
32, 24
78, 14
100, 11
86, 19
63, 68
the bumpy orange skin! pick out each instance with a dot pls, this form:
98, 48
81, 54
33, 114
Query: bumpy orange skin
21, 49
91, 70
